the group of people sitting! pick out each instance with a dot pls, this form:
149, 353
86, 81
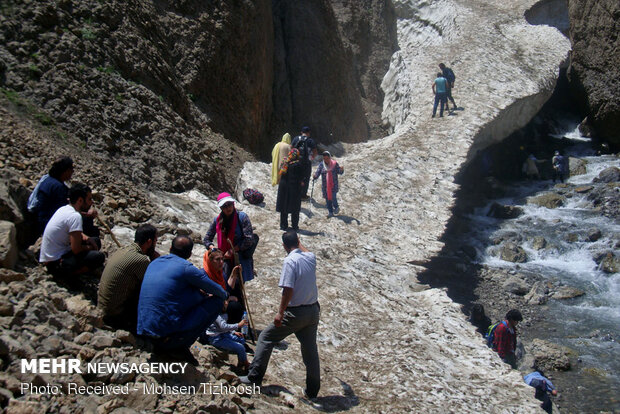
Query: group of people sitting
291, 169
168, 300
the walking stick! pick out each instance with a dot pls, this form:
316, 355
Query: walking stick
245, 298
311, 193
102, 221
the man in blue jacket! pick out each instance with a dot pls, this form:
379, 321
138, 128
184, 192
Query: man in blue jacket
177, 301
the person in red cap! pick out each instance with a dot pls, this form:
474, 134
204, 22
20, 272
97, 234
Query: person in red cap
234, 233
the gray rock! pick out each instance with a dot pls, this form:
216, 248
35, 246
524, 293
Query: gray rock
516, 285
537, 295
548, 200
8, 245
6, 307
608, 175
9, 210
539, 242
87, 315
567, 292
610, 263
504, 211
103, 342
549, 356
577, 166
593, 235
83, 338
513, 253
8, 276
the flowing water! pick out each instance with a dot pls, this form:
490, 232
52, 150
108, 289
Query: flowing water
589, 324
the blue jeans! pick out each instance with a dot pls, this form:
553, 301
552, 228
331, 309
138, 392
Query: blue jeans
228, 341
440, 97
194, 323
332, 204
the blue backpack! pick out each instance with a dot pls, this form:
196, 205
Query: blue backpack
490, 335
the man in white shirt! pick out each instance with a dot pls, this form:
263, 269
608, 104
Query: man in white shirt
299, 313
65, 249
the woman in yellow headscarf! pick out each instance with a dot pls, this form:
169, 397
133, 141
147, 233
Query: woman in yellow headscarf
278, 155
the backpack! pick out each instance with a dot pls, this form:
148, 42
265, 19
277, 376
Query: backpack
302, 146
253, 196
490, 336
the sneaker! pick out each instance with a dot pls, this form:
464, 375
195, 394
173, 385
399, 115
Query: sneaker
330, 215
336, 211
244, 379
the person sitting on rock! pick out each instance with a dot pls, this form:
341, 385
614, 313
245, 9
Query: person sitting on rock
177, 301
543, 387
213, 264
329, 170
119, 288
51, 192
505, 337
65, 249
224, 336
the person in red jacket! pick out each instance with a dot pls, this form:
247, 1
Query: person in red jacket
505, 337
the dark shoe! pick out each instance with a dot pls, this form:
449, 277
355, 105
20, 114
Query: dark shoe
182, 354
310, 397
305, 197
244, 379
433, 116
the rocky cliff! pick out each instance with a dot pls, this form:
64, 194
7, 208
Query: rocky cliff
593, 74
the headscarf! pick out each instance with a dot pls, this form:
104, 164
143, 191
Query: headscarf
215, 275
279, 152
329, 179
222, 238
292, 158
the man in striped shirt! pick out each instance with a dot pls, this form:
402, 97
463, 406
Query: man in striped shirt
119, 288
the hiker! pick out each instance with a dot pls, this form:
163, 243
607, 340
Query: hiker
479, 319
278, 155
543, 387
290, 190
51, 193
505, 337
530, 169
440, 85
307, 152
558, 162
329, 170
223, 335
213, 264
177, 301
119, 288
232, 226
449, 76
298, 313
65, 249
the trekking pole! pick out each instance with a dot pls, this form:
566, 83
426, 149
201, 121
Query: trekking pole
242, 286
102, 221
311, 193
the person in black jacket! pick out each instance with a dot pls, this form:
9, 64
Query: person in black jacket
450, 77
290, 190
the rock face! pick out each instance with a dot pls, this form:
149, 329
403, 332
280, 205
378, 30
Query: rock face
595, 61
8, 244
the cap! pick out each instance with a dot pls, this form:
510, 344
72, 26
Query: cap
305, 129
224, 198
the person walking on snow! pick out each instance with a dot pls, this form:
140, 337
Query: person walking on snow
278, 155
329, 170
440, 87
450, 77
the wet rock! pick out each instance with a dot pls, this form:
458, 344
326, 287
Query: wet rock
537, 295
513, 253
549, 200
504, 211
549, 356
609, 263
583, 189
539, 242
608, 175
567, 292
593, 235
571, 237
577, 166
8, 244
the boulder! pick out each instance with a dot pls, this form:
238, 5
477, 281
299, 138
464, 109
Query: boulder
513, 253
583, 189
8, 245
567, 292
516, 285
610, 263
593, 234
504, 211
539, 242
9, 209
577, 166
608, 175
537, 295
549, 356
548, 200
